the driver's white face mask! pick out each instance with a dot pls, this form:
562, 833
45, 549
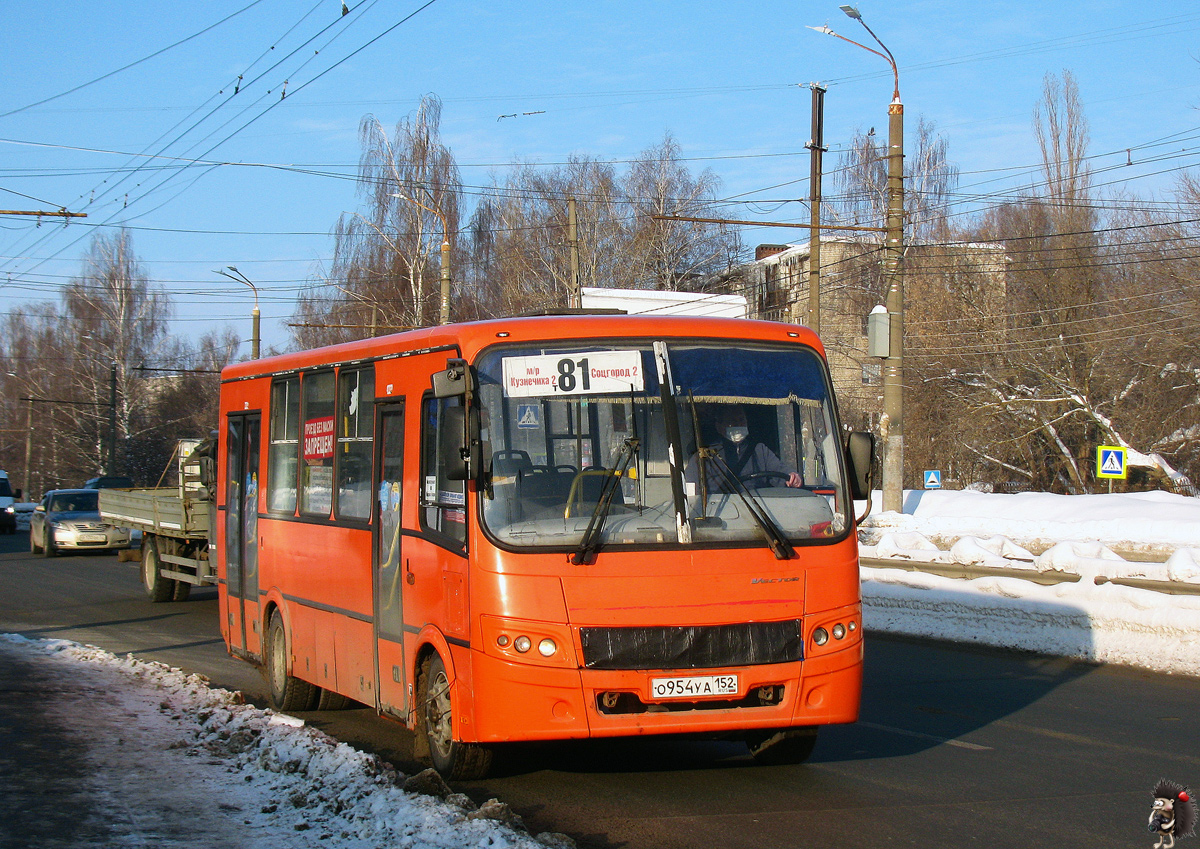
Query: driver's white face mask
736, 434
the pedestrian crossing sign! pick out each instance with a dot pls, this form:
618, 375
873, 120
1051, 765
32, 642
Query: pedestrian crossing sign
933, 479
527, 417
1111, 462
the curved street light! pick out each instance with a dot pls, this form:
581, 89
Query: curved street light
255, 315
892, 424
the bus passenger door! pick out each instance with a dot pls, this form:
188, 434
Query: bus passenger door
241, 528
388, 563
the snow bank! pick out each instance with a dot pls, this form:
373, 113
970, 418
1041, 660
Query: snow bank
1146, 520
1090, 618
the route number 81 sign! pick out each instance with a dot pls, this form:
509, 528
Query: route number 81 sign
590, 373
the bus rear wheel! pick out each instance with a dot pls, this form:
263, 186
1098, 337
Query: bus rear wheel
454, 759
284, 691
781, 747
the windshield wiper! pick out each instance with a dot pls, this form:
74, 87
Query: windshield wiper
591, 537
775, 537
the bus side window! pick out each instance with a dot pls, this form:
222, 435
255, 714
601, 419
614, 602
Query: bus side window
284, 451
356, 412
316, 475
443, 501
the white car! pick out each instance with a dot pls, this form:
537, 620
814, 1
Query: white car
69, 520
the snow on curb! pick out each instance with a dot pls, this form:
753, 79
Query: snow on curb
307, 782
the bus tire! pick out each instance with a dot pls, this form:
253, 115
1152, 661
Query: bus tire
783, 746
453, 759
284, 691
329, 700
157, 587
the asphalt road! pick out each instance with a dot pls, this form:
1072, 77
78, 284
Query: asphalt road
956, 745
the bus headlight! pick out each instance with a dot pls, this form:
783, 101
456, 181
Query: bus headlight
820, 636
547, 648
522, 644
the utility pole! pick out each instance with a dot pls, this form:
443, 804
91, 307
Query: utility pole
816, 146
444, 315
891, 426
112, 419
29, 450
573, 241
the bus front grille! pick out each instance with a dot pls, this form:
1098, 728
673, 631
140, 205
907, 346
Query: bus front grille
693, 646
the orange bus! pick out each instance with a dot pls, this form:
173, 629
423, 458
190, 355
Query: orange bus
548, 528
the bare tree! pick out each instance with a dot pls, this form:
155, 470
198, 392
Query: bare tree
384, 272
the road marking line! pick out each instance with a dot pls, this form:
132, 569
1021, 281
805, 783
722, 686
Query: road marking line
960, 743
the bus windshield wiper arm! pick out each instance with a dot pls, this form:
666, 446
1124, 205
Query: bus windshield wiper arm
775, 537
591, 537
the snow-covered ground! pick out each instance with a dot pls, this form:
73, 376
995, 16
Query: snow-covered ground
1091, 618
174, 762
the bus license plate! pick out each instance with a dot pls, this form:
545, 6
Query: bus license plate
694, 688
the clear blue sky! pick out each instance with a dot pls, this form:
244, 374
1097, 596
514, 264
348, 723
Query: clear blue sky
606, 79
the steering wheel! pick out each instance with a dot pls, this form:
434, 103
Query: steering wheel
783, 476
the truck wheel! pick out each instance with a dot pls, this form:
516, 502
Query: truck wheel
284, 691
785, 746
157, 587
454, 759
182, 591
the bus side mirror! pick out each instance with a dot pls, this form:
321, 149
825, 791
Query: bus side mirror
860, 464
454, 381
459, 444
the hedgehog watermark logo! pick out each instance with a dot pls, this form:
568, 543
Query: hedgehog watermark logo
1173, 814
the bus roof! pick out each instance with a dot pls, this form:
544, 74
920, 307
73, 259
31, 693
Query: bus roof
471, 337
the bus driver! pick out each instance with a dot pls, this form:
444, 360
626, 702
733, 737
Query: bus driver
741, 455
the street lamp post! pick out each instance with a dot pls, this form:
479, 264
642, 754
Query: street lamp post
891, 426
255, 316
444, 312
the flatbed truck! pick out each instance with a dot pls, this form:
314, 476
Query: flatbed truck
175, 523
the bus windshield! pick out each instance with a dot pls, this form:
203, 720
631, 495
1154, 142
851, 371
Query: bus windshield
647, 443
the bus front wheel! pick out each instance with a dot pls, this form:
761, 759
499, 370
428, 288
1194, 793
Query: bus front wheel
786, 746
454, 759
284, 691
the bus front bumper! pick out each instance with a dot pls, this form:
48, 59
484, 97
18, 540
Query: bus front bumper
516, 702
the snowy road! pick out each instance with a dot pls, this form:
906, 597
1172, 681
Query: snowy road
949, 735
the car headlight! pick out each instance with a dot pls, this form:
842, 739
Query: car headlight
10, 509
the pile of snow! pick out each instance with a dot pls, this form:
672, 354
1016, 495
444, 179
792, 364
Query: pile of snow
1144, 521
262, 778
1088, 618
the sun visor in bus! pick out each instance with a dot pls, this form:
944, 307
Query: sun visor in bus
455, 380
710, 371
